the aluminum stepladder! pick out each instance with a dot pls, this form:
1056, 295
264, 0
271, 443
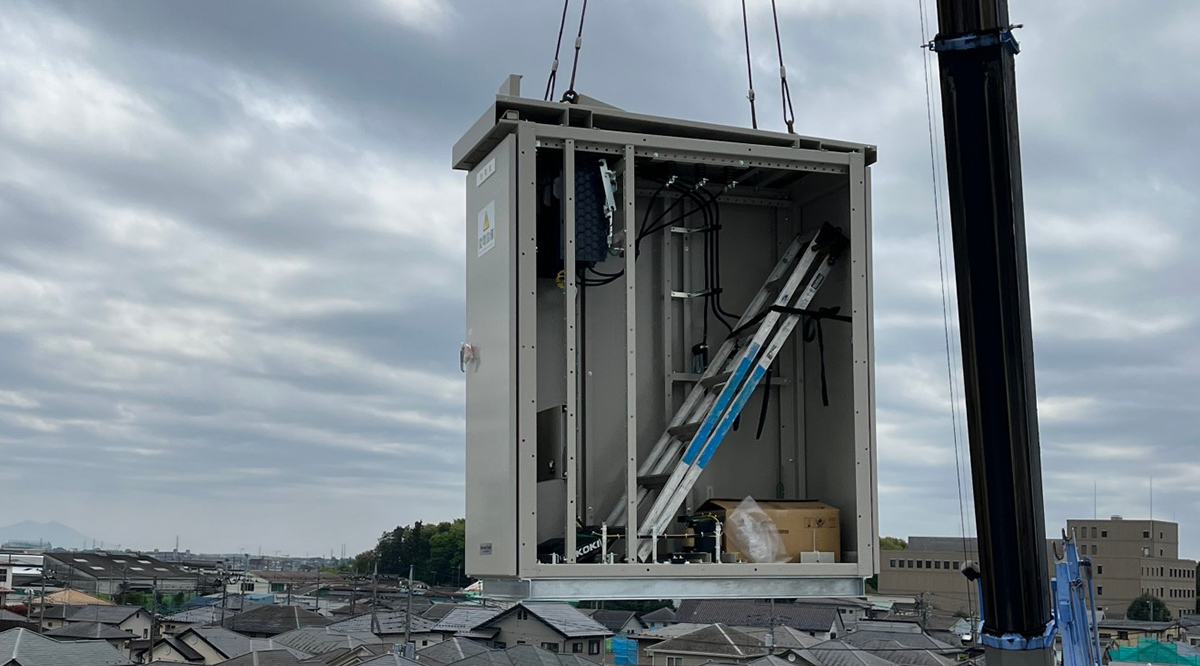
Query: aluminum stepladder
736, 369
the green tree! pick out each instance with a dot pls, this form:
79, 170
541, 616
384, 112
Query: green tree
892, 543
435, 551
1148, 608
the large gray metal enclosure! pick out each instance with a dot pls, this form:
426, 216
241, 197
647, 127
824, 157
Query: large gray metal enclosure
589, 326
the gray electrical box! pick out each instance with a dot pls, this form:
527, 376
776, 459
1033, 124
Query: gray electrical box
664, 318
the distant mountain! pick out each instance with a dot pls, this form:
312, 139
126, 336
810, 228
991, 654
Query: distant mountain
57, 534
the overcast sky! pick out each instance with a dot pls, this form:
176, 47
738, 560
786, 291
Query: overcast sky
231, 274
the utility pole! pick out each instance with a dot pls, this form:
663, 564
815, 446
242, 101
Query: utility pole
408, 614
976, 49
375, 598
42, 609
154, 609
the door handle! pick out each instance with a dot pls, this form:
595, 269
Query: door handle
466, 355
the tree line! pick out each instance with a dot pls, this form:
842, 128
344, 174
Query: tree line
435, 551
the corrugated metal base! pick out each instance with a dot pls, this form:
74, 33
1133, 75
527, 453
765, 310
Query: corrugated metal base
614, 589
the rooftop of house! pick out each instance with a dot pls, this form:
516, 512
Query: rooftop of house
524, 655
390, 659
384, 622
231, 643
350, 655
9, 616
1137, 625
613, 620
561, 617
907, 634
90, 630
752, 613
28, 648
449, 651
297, 576
103, 614
318, 640
177, 645
202, 615
715, 640
663, 614
101, 564
70, 598
272, 620
465, 618
266, 658
839, 653
783, 638
438, 611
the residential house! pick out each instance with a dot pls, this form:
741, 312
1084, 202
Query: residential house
209, 645
649, 638
1127, 633
556, 627
656, 619
715, 642
11, 620
449, 651
22, 647
616, 621
69, 597
133, 619
50, 618
93, 631
267, 621
438, 611
824, 622
19, 570
851, 609
390, 659
282, 582
104, 573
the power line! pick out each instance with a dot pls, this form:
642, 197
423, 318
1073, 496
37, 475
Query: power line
749, 67
550, 82
950, 383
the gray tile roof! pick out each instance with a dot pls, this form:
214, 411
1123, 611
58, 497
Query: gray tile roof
273, 620
561, 617
754, 613
438, 611
613, 620
663, 614
524, 655
906, 634
115, 565
389, 622
205, 614
9, 616
90, 630
465, 618
28, 648
899, 653
786, 638
266, 658
838, 653
449, 651
317, 640
716, 640
185, 650
228, 643
771, 660
390, 659
103, 614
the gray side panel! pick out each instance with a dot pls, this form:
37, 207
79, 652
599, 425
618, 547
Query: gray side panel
491, 329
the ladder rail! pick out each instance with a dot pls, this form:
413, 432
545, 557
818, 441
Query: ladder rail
743, 395
667, 446
745, 362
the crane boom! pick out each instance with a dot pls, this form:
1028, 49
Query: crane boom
976, 52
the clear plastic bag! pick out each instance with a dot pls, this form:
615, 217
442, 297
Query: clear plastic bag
752, 533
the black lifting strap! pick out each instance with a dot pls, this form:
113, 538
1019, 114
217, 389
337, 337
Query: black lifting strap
812, 331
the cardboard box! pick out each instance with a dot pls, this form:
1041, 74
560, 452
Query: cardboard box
804, 525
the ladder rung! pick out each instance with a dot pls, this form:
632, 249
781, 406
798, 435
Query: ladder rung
685, 430
717, 379
653, 481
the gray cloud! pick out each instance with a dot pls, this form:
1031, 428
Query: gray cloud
231, 285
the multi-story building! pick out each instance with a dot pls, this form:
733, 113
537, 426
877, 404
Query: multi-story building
1130, 558
1136, 557
930, 569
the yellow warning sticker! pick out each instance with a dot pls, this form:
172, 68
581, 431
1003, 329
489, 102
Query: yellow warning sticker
487, 229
